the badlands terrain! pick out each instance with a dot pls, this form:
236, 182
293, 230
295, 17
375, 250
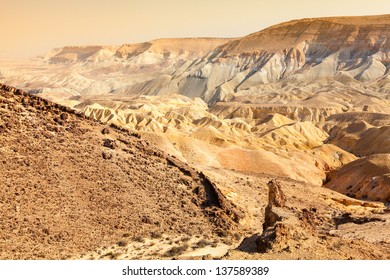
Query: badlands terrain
275, 145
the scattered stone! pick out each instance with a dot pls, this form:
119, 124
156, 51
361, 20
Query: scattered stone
64, 116
109, 143
105, 131
106, 155
59, 121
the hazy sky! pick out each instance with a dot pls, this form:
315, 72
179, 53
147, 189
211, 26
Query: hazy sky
31, 27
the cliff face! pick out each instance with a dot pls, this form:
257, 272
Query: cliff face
153, 52
72, 54
189, 47
353, 48
331, 33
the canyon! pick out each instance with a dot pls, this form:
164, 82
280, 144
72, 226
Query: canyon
305, 103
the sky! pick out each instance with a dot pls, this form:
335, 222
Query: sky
30, 28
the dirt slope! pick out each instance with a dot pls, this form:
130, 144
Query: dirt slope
366, 178
70, 185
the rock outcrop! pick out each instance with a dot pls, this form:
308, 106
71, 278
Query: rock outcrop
283, 227
276, 202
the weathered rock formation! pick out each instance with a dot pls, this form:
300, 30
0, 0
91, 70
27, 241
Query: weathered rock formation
276, 202
283, 227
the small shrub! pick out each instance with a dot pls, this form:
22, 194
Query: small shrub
237, 236
201, 244
156, 235
177, 250
227, 241
138, 238
185, 238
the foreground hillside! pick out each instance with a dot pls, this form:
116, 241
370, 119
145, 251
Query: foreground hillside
70, 185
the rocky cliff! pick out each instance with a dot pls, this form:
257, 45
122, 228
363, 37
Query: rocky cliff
343, 48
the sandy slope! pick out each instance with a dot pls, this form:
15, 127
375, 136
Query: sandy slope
367, 178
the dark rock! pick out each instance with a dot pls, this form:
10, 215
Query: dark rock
122, 243
59, 121
64, 116
109, 143
105, 131
106, 155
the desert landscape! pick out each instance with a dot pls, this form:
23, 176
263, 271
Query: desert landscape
275, 145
